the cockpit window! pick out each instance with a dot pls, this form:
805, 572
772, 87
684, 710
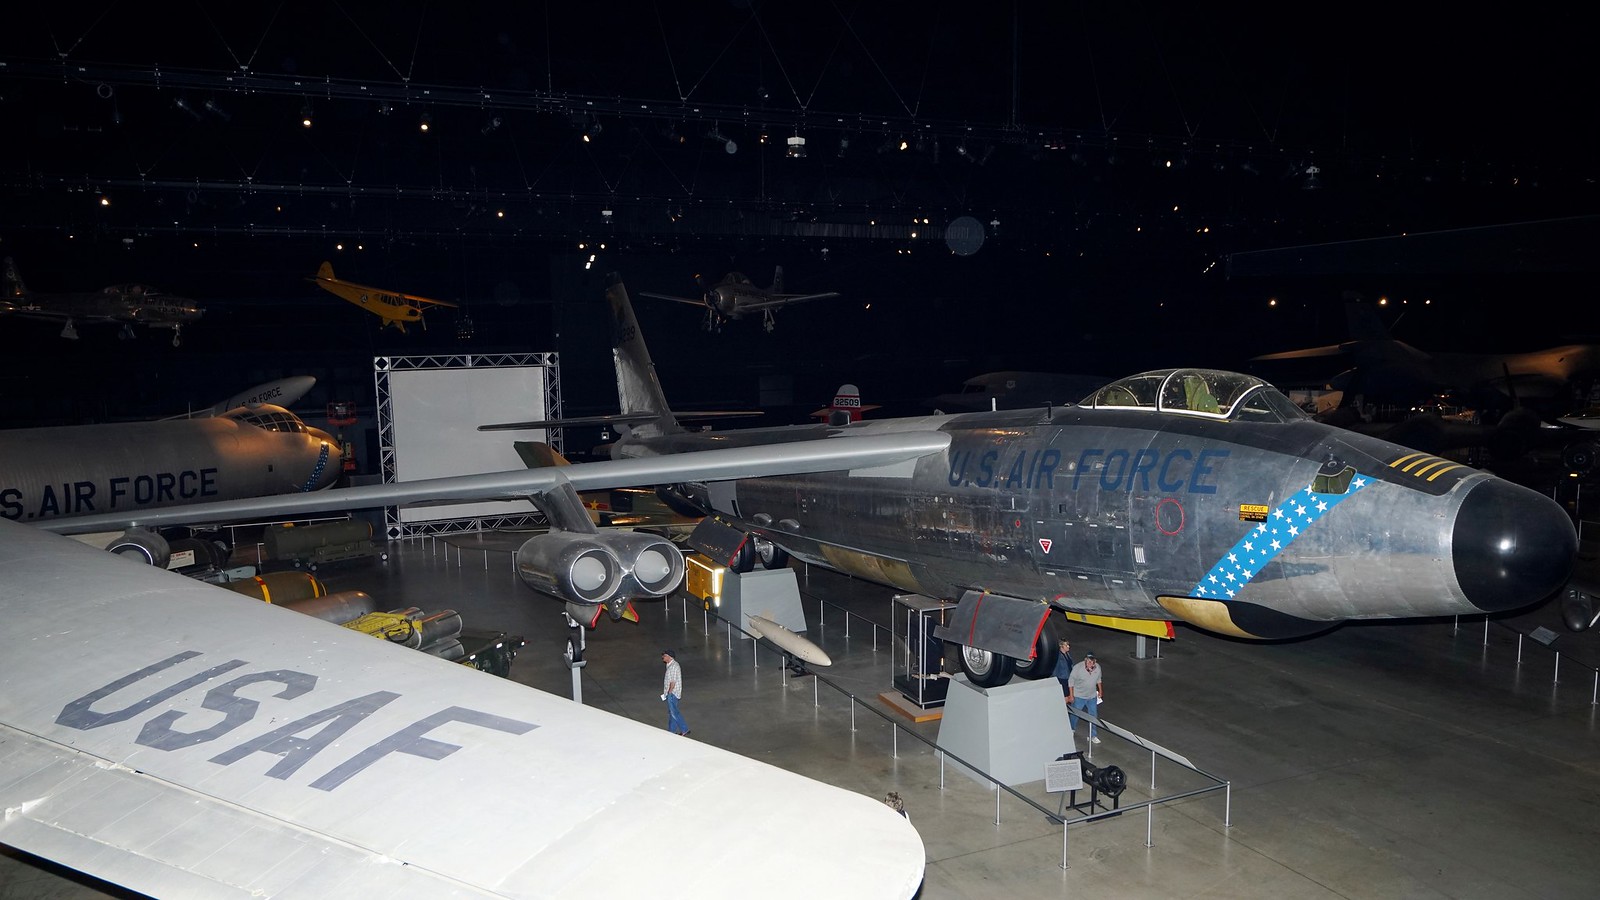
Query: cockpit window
1201, 392
269, 418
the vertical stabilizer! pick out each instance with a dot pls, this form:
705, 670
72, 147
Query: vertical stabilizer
777, 280
638, 388
14, 289
1365, 323
325, 271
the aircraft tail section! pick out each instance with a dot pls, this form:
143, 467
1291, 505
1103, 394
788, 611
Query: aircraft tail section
777, 280
638, 387
1364, 323
539, 455
325, 271
14, 287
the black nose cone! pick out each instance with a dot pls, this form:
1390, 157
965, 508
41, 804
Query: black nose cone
1512, 546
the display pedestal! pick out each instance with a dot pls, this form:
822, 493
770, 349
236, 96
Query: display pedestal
769, 593
1010, 731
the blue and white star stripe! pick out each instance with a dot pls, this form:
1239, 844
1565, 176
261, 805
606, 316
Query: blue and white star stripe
1264, 542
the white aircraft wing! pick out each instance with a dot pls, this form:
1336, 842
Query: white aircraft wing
691, 302
185, 741
823, 455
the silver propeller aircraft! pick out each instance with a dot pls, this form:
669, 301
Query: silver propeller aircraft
736, 296
124, 304
122, 468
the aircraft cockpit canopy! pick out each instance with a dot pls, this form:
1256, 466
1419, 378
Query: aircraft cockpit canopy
1198, 392
268, 418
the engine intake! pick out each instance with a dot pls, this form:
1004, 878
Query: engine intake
600, 568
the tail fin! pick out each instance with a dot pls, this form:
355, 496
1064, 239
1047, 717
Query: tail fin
539, 455
777, 280
1365, 323
14, 287
325, 271
638, 388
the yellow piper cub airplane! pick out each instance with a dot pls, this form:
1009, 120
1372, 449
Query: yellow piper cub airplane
393, 307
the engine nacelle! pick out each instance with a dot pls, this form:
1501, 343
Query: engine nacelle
573, 566
610, 568
652, 565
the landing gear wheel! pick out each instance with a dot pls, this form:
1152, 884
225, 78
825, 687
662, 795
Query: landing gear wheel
984, 668
744, 559
1045, 650
771, 555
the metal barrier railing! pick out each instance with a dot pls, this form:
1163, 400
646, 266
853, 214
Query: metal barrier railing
1000, 788
1555, 677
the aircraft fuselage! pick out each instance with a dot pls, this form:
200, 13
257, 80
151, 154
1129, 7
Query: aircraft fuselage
49, 473
1260, 530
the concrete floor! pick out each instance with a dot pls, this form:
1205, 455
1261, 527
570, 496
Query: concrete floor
1413, 760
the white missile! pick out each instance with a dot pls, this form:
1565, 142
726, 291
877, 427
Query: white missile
787, 641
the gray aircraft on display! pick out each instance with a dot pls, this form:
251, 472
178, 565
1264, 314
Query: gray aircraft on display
124, 304
122, 468
736, 296
1186, 494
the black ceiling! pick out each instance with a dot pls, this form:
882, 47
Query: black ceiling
1114, 154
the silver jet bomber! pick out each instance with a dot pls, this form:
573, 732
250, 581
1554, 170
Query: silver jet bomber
1182, 494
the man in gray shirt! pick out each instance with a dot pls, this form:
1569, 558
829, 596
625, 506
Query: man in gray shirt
1083, 692
672, 692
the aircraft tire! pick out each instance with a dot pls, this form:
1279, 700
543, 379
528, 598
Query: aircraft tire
744, 561
771, 555
1045, 650
984, 668
142, 547
1579, 457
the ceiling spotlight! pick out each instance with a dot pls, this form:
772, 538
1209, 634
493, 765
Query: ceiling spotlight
425, 123
490, 126
385, 108
183, 104
593, 131
903, 144
104, 200
961, 148
305, 115
796, 148
212, 107
844, 144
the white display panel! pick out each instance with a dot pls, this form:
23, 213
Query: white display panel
435, 414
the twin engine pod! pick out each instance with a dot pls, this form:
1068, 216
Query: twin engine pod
591, 569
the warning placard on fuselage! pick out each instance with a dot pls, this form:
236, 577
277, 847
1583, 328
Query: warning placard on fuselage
1251, 512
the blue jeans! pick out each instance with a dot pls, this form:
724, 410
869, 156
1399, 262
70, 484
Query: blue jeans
675, 722
1089, 705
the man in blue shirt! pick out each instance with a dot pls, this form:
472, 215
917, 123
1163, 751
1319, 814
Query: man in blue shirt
1063, 669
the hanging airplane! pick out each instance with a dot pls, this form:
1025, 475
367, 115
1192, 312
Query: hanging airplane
1381, 369
124, 304
1183, 494
736, 296
393, 307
